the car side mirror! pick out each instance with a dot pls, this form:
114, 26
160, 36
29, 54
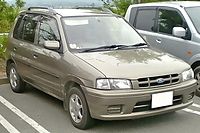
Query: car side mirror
53, 45
179, 32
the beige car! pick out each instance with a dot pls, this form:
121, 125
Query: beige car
97, 64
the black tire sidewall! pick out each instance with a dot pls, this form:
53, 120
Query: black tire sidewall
197, 70
86, 121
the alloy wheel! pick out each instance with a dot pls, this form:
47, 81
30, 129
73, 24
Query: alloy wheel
76, 108
13, 78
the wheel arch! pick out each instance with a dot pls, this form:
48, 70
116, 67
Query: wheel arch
72, 82
195, 64
194, 61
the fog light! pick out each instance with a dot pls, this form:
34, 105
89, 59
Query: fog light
190, 96
114, 109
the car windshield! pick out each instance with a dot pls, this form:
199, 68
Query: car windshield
99, 32
195, 17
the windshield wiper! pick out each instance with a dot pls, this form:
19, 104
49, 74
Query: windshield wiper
115, 47
142, 45
138, 45
104, 47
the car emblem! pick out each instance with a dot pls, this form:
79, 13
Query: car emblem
160, 80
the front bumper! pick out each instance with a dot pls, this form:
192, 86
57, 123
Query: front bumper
121, 104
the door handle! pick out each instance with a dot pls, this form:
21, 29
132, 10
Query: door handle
158, 41
35, 56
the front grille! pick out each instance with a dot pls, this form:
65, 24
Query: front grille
146, 105
158, 81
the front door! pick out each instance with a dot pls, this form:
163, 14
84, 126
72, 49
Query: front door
168, 18
47, 63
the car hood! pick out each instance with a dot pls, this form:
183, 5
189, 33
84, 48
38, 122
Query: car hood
134, 63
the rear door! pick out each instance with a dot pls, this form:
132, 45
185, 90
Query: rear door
21, 44
15, 46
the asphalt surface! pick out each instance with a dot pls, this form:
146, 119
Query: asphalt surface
34, 111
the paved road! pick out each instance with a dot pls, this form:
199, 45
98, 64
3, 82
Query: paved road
35, 111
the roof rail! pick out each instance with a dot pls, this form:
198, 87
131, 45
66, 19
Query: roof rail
41, 8
104, 9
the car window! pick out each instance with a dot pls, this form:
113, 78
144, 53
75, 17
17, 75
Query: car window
18, 27
168, 19
145, 19
48, 30
195, 16
30, 23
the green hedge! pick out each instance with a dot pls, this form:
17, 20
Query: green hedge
3, 43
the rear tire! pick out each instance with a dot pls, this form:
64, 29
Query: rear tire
16, 83
78, 109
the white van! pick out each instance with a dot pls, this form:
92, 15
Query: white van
173, 27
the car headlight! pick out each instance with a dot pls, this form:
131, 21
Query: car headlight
188, 74
107, 84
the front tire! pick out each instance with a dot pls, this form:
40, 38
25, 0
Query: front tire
78, 109
197, 76
16, 83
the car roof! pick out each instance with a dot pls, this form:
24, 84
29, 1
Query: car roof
70, 12
171, 4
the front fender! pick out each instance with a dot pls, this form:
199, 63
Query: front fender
78, 80
67, 82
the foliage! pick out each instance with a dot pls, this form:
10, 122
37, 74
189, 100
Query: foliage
3, 42
120, 6
8, 14
7, 17
19, 3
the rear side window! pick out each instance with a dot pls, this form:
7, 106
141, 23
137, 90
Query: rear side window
18, 27
168, 19
145, 19
30, 23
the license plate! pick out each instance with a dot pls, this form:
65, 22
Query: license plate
162, 99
